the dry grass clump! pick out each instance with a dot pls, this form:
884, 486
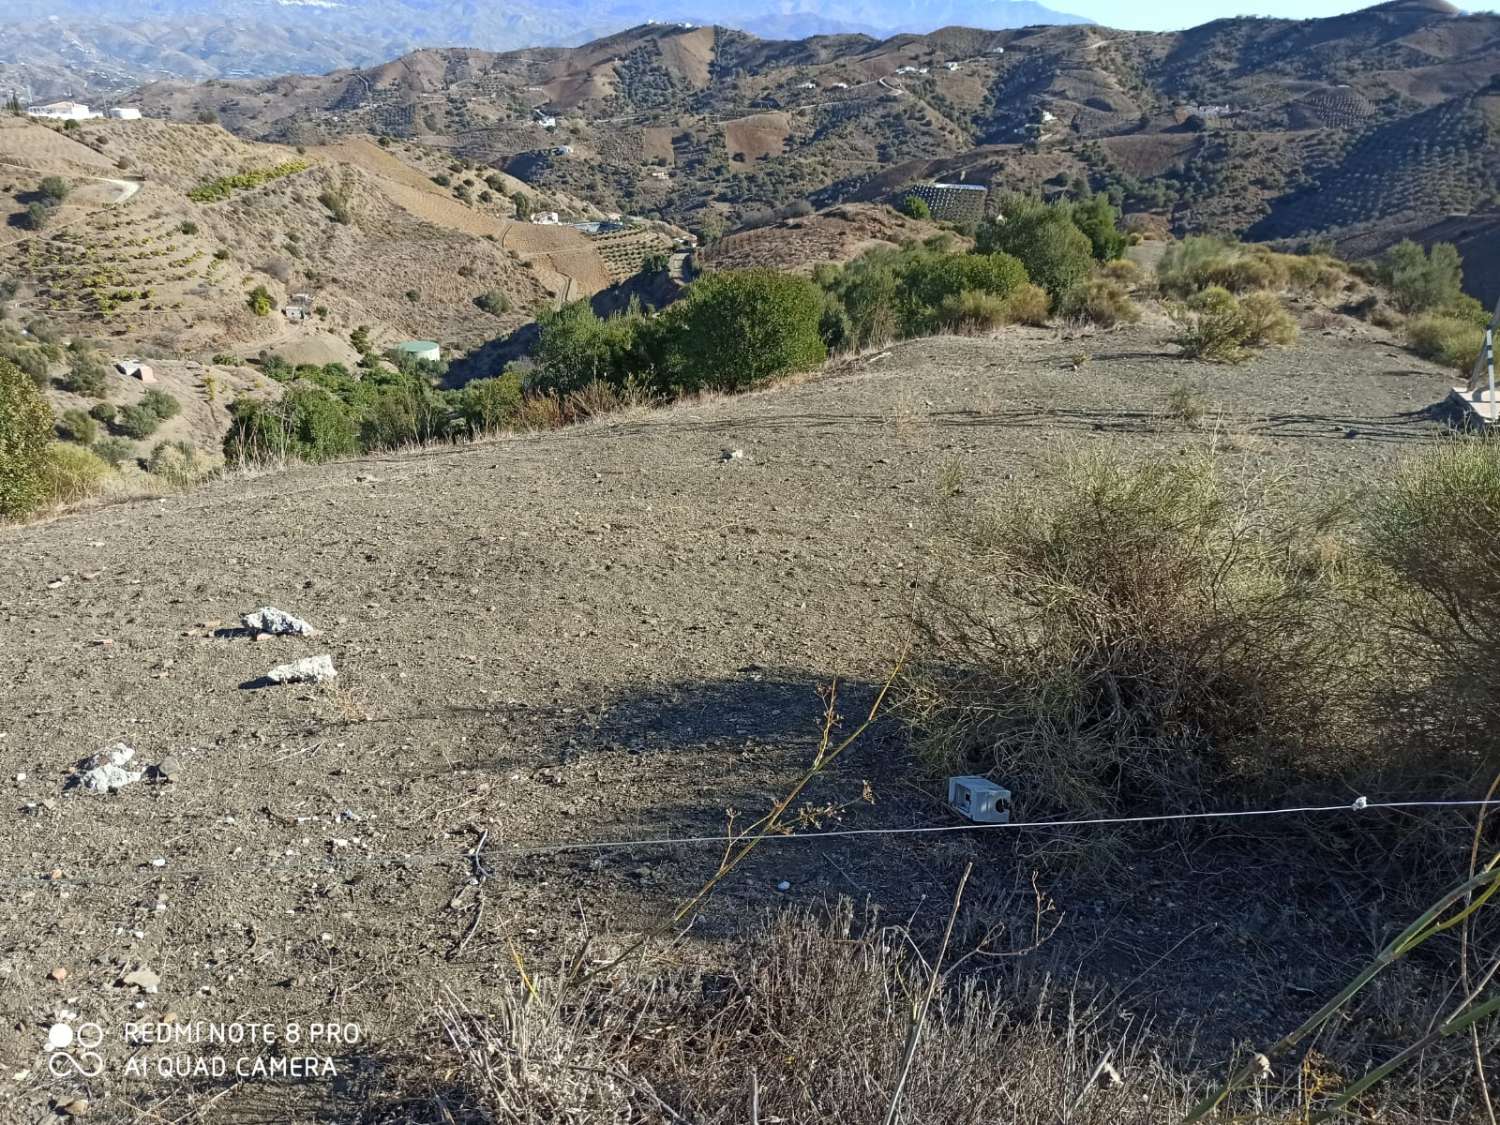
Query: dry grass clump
1100, 301
1134, 643
811, 1028
974, 312
1218, 326
1434, 535
1444, 339
1199, 262
1027, 304
71, 474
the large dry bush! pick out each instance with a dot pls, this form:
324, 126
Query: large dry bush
1136, 640
818, 1012
1434, 534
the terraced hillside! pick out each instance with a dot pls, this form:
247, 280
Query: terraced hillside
167, 229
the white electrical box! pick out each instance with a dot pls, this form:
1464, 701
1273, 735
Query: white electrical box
979, 799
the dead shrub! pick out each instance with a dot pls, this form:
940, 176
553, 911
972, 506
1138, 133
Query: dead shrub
1216, 325
1266, 321
1133, 644
819, 1011
1434, 535
1448, 340
1100, 301
973, 312
540, 411
1027, 304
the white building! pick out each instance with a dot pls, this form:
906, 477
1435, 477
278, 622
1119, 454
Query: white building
951, 65
62, 111
546, 218
546, 121
807, 85
840, 86
125, 113
563, 150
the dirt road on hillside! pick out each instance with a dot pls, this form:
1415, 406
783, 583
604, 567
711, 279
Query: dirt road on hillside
611, 632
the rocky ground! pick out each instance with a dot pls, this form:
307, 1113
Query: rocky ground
612, 632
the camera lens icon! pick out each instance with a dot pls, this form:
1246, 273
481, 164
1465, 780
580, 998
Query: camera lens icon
71, 1052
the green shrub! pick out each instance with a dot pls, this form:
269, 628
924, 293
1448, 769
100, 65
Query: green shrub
400, 410
1099, 301
114, 451
53, 190
102, 412
887, 294
36, 216
495, 302
1055, 253
160, 403
1132, 640
260, 301
137, 422
25, 432
737, 328
71, 473
915, 207
1446, 339
575, 347
87, 376
76, 426
188, 227
488, 405
1423, 281
654, 264
308, 423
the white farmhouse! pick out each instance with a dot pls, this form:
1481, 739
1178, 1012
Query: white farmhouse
61, 111
807, 85
125, 113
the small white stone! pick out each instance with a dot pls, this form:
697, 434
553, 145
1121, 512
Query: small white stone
783, 886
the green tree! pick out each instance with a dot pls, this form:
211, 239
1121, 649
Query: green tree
36, 216
1056, 254
736, 328
915, 207
1097, 218
575, 347
1422, 281
523, 205
25, 431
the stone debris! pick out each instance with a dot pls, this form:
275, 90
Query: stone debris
731, 455
106, 771
144, 979
269, 619
310, 669
169, 769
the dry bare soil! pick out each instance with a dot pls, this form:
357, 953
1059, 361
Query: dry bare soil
612, 632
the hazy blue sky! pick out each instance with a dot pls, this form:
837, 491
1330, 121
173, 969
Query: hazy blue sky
1162, 15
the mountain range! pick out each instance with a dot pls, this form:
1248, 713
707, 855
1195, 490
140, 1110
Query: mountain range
78, 47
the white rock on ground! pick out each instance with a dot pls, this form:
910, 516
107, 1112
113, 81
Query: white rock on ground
106, 770
310, 669
269, 619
